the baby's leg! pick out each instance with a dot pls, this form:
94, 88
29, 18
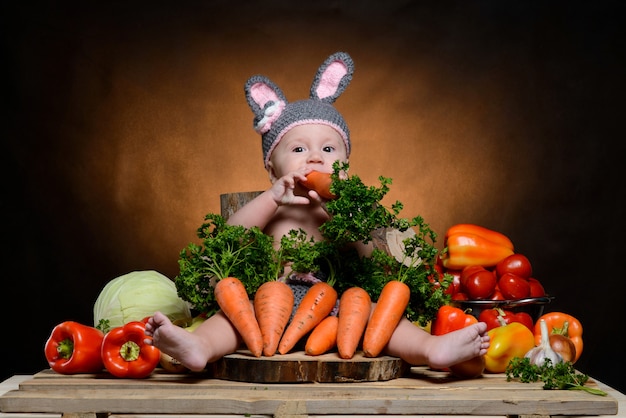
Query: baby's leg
418, 347
213, 339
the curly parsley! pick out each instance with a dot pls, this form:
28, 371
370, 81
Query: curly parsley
226, 250
355, 214
554, 376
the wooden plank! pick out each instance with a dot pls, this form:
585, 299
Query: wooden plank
307, 401
423, 392
310, 416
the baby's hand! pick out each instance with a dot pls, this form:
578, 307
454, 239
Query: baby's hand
283, 190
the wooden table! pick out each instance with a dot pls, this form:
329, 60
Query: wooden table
422, 393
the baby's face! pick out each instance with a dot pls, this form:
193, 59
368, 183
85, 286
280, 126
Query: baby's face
314, 147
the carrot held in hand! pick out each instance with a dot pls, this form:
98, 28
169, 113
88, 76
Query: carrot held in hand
320, 182
391, 305
233, 300
273, 303
316, 304
354, 311
323, 337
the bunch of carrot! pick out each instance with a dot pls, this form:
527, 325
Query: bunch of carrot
262, 323
359, 322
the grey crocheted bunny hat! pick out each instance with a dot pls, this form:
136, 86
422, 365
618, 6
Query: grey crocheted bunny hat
274, 116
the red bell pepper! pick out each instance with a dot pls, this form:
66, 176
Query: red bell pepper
125, 354
498, 317
74, 348
450, 319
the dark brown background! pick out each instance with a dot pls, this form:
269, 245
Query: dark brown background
125, 121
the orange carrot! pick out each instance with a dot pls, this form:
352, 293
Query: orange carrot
316, 304
233, 300
323, 337
386, 315
354, 311
320, 182
273, 303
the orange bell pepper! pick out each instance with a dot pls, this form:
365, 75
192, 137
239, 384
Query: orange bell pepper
564, 324
507, 342
469, 244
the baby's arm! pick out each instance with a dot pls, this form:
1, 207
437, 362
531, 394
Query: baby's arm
260, 210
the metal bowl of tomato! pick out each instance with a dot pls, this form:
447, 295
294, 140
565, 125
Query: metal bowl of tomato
533, 306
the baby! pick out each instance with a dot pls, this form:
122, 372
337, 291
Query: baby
297, 138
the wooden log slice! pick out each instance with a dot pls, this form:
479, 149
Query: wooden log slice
297, 367
232, 202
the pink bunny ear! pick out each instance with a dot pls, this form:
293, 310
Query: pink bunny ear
332, 78
261, 93
266, 100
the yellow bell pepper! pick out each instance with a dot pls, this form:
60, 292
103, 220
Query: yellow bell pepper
506, 342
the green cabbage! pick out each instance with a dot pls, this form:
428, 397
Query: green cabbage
139, 294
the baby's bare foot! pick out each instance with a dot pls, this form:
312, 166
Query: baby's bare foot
176, 341
458, 346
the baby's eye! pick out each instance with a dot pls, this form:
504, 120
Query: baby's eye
328, 148
298, 149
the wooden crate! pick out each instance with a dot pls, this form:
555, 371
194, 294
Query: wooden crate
420, 392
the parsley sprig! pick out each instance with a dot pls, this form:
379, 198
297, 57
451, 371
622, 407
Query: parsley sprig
561, 375
356, 213
226, 250
358, 210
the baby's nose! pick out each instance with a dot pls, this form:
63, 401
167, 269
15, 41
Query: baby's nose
315, 157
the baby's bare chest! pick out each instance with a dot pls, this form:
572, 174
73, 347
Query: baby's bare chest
287, 220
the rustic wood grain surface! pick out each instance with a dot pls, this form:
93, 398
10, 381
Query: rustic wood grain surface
420, 391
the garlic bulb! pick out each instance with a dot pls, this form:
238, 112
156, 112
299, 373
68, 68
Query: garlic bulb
543, 351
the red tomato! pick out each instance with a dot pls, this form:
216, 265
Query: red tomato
536, 288
468, 271
524, 318
513, 287
498, 317
435, 278
517, 264
455, 285
497, 295
459, 296
480, 284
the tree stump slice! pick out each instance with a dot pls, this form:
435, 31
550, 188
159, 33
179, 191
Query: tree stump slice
232, 202
297, 367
